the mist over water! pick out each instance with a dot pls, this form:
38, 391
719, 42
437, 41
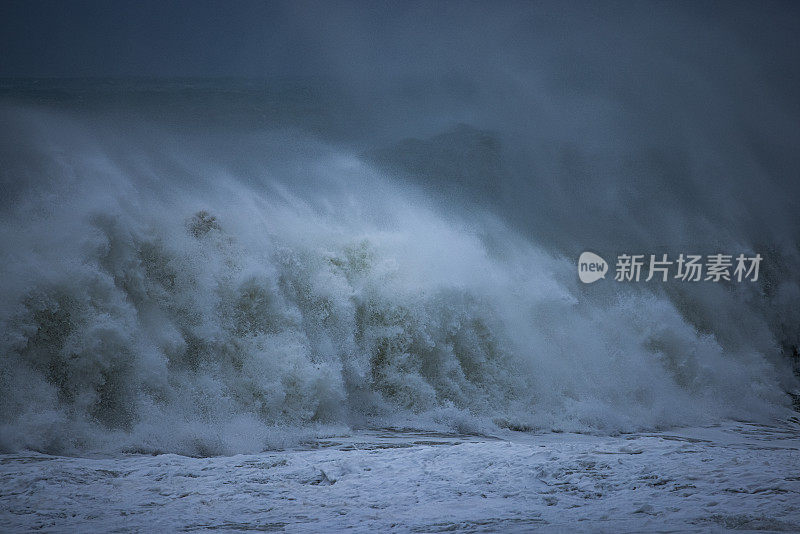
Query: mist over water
380, 238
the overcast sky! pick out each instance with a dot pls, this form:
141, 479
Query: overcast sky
262, 39
144, 38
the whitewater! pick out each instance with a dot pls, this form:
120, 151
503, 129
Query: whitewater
211, 325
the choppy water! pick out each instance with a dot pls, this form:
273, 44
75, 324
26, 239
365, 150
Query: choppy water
738, 476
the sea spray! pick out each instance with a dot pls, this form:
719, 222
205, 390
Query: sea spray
155, 301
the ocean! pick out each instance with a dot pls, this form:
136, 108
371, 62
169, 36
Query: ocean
257, 304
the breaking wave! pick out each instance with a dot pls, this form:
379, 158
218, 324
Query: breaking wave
153, 300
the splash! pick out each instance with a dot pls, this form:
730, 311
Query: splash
154, 301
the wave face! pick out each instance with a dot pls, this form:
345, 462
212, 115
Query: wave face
227, 289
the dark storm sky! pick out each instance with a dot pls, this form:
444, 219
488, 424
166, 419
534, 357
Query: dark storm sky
148, 38
261, 39
251, 38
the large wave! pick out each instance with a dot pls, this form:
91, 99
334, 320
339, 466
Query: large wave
153, 299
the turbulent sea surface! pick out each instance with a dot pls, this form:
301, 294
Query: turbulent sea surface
257, 305
739, 476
